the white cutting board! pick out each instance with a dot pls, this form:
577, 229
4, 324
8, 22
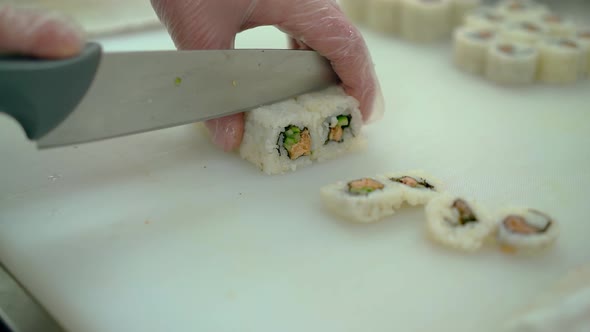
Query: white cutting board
163, 232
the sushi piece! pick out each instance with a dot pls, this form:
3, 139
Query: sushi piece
339, 123
528, 32
470, 48
418, 187
384, 16
484, 18
511, 63
364, 200
426, 20
355, 10
525, 230
458, 223
557, 26
461, 8
561, 60
521, 9
582, 37
279, 137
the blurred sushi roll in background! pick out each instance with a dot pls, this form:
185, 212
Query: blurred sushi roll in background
426, 20
561, 60
338, 126
525, 230
418, 187
278, 137
527, 31
557, 26
521, 9
511, 63
384, 16
471, 47
355, 10
458, 223
363, 200
484, 17
582, 37
461, 8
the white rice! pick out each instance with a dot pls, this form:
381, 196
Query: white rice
529, 32
484, 18
461, 8
518, 67
361, 208
470, 48
469, 237
561, 64
526, 243
426, 21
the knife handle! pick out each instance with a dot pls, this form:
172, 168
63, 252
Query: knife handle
39, 94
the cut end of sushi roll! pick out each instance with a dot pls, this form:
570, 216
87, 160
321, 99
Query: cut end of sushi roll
418, 187
364, 200
486, 18
526, 230
557, 26
562, 60
470, 48
521, 9
511, 63
524, 31
458, 223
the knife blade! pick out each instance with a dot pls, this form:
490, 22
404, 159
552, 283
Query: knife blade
97, 96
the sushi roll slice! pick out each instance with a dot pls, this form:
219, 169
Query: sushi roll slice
355, 10
418, 187
525, 230
461, 8
279, 137
582, 36
558, 26
485, 18
426, 20
338, 125
528, 32
470, 48
511, 63
561, 60
384, 16
521, 9
458, 223
364, 200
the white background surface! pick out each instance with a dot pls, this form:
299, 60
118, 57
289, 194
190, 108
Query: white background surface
163, 232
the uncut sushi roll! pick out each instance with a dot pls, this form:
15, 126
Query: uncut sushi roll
458, 223
470, 48
561, 60
355, 10
557, 26
461, 8
484, 18
384, 16
521, 9
279, 137
364, 200
511, 63
338, 123
528, 32
525, 230
418, 187
426, 20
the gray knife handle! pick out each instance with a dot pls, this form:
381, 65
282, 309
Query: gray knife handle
39, 94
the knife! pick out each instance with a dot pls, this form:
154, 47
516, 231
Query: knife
98, 95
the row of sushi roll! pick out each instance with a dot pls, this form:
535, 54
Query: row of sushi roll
414, 20
521, 42
453, 221
297, 132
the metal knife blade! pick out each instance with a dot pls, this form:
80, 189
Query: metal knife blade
134, 92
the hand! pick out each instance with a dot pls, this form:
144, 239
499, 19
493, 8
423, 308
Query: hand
314, 24
35, 33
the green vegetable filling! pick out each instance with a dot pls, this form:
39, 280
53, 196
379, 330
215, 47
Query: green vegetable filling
292, 137
343, 120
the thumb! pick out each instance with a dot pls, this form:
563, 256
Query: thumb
35, 33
